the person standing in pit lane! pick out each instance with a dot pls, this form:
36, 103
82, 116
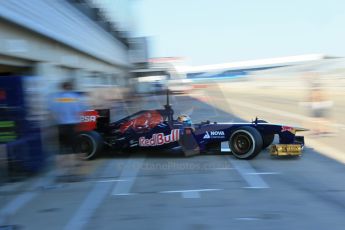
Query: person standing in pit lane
66, 107
320, 106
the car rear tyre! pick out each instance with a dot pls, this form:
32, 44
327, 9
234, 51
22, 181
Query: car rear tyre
245, 142
89, 144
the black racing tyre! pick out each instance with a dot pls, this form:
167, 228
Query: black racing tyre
88, 143
267, 140
245, 142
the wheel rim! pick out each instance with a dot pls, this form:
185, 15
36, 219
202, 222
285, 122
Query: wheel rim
242, 143
85, 147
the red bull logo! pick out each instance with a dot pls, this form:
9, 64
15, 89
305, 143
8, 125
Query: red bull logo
160, 139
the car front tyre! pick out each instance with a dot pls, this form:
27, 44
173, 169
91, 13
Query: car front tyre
267, 140
245, 143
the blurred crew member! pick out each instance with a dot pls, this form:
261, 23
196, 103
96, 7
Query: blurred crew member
320, 109
66, 107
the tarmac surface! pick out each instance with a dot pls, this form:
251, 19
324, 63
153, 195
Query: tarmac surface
168, 191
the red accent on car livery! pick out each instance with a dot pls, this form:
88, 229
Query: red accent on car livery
88, 120
287, 128
2, 94
145, 121
160, 139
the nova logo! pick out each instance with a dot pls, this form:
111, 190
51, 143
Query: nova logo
207, 135
217, 133
214, 134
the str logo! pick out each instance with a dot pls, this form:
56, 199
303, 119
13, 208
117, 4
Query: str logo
88, 118
214, 134
160, 139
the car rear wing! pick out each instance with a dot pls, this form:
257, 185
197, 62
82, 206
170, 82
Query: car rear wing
94, 120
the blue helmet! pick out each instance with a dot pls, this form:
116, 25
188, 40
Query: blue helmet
185, 119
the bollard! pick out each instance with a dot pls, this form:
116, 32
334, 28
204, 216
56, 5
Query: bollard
3, 164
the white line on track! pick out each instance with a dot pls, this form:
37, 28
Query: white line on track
223, 169
130, 170
192, 190
107, 181
92, 201
190, 194
124, 194
249, 174
264, 173
247, 218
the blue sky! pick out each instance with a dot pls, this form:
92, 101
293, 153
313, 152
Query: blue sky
217, 31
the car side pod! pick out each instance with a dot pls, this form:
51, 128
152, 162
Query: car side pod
188, 142
286, 149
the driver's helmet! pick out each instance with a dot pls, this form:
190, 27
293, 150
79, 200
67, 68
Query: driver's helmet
185, 119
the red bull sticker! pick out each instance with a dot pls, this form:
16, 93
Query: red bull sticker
160, 139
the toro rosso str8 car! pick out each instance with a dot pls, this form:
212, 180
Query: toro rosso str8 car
157, 129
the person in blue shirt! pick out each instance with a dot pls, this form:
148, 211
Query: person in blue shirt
66, 107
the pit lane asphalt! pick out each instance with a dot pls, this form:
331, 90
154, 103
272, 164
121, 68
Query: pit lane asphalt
168, 191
